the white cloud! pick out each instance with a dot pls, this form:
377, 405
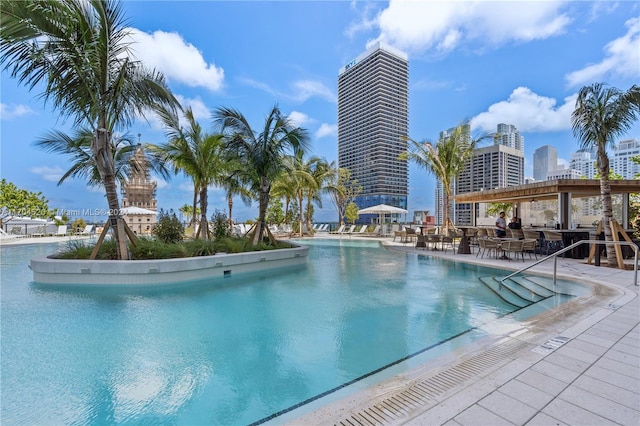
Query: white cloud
418, 26
528, 111
9, 111
305, 89
201, 113
162, 184
300, 119
563, 164
622, 58
50, 174
326, 130
186, 187
300, 91
178, 60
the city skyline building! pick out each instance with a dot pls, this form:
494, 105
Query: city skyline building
545, 160
508, 135
373, 123
622, 153
495, 166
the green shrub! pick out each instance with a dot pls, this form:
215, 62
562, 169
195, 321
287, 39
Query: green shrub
220, 225
155, 249
200, 248
169, 229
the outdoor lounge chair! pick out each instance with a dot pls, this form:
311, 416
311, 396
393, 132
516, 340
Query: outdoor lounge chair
362, 230
40, 231
339, 230
16, 232
350, 230
62, 231
375, 232
6, 237
87, 231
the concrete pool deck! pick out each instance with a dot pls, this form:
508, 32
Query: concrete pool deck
578, 364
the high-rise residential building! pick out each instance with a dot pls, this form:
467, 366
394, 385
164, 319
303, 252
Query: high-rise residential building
622, 154
584, 163
509, 135
545, 159
564, 174
495, 166
373, 122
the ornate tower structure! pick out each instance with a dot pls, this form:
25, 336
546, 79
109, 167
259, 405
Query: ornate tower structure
139, 196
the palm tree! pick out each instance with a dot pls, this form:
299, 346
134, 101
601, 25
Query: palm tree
78, 51
283, 187
231, 180
321, 172
601, 114
300, 181
445, 160
261, 154
197, 154
83, 165
342, 189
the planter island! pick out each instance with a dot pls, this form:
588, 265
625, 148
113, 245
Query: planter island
162, 271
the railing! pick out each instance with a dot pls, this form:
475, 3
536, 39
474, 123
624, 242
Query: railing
574, 245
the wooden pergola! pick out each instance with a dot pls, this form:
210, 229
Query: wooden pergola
560, 189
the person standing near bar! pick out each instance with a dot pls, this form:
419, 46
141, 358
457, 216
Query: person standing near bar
501, 226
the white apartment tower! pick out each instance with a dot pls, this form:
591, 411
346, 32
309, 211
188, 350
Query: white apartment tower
584, 163
373, 121
545, 160
509, 135
622, 154
495, 166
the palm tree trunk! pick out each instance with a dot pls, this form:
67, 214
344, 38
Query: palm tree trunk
261, 227
101, 149
195, 206
204, 226
308, 215
300, 200
445, 219
230, 203
607, 208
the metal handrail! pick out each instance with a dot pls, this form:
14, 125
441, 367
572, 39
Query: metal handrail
574, 245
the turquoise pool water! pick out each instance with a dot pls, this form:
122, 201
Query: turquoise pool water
236, 351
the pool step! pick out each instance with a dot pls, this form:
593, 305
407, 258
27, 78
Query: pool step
521, 291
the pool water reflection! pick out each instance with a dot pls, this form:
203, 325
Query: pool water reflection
234, 351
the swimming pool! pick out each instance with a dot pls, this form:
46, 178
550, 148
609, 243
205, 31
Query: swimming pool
237, 351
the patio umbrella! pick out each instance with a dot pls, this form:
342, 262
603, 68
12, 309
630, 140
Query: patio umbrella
381, 210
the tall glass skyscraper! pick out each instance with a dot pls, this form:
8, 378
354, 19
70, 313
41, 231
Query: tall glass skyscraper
373, 102
545, 160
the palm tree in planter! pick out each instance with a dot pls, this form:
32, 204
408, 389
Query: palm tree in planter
261, 154
301, 180
231, 180
602, 113
196, 153
78, 50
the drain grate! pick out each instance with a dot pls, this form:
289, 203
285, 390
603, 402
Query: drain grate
424, 393
551, 345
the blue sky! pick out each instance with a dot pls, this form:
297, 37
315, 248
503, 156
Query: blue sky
519, 63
